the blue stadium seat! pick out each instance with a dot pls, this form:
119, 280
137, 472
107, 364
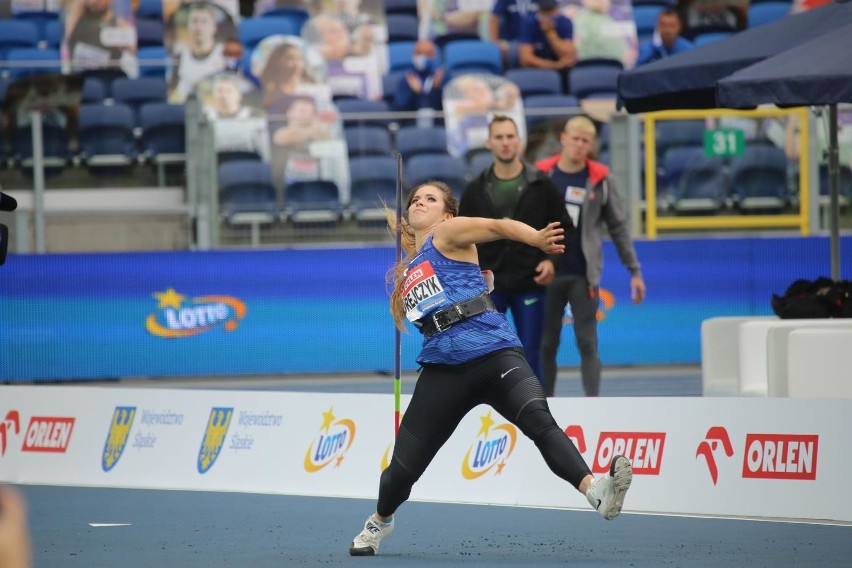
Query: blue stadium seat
711, 36
703, 186
645, 16
367, 141
443, 167
401, 7
542, 109
54, 148
759, 178
149, 33
402, 27
107, 144
137, 92
477, 162
845, 187
412, 141
532, 81
92, 91
247, 194
53, 34
150, 10
593, 81
472, 55
399, 55
39, 18
390, 81
254, 30
152, 61
296, 16
163, 138
26, 61
313, 203
373, 180
673, 133
766, 12
363, 112
16, 35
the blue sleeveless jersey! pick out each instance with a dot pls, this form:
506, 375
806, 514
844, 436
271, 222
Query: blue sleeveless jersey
434, 282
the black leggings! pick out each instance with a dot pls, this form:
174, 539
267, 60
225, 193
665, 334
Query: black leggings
444, 394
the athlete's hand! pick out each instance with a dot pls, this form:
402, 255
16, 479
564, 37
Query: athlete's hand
550, 239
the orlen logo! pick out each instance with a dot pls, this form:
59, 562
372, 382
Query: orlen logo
643, 449
606, 304
493, 447
716, 436
119, 430
173, 319
48, 434
214, 437
10, 425
334, 440
781, 456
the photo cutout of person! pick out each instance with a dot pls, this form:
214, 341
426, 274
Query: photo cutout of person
603, 29
99, 34
470, 102
232, 105
307, 144
454, 17
195, 39
287, 66
350, 73
365, 20
232, 7
263, 6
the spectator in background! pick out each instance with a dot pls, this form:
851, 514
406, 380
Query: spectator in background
667, 41
546, 41
507, 18
203, 56
421, 86
593, 204
15, 547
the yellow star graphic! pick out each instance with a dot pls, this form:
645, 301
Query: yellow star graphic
169, 299
500, 467
487, 422
327, 419
339, 461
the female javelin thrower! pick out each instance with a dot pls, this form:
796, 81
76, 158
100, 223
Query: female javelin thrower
470, 356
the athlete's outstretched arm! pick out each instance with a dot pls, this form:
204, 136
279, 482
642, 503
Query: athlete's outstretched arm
462, 232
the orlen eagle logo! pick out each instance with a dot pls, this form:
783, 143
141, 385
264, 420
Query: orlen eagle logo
48, 434
493, 447
10, 425
174, 319
214, 437
334, 440
606, 304
643, 449
781, 456
119, 431
715, 437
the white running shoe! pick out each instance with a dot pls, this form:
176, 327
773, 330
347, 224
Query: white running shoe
606, 494
367, 541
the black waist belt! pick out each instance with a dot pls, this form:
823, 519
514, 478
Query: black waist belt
443, 319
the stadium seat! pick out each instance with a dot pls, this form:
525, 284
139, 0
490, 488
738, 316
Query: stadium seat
374, 184
402, 27
425, 167
149, 10
54, 148
399, 55
255, 30
671, 167
367, 141
39, 18
845, 187
163, 138
412, 141
472, 55
703, 38
296, 16
759, 178
542, 109
594, 81
92, 91
363, 112
703, 185
313, 203
390, 81
673, 133
53, 34
477, 162
645, 16
532, 81
106, 76
26, 61
107, 144
401, 7
152, 61
247, 195
149, 33
16, 35
765, 12
137, 92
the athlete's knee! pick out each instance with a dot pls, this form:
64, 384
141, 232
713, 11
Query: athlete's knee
536, 421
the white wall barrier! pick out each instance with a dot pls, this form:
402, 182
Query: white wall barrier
720, 354
704, 456
820, 363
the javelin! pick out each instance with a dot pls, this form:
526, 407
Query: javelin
397, 351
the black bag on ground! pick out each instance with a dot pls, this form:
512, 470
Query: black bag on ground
821, 298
